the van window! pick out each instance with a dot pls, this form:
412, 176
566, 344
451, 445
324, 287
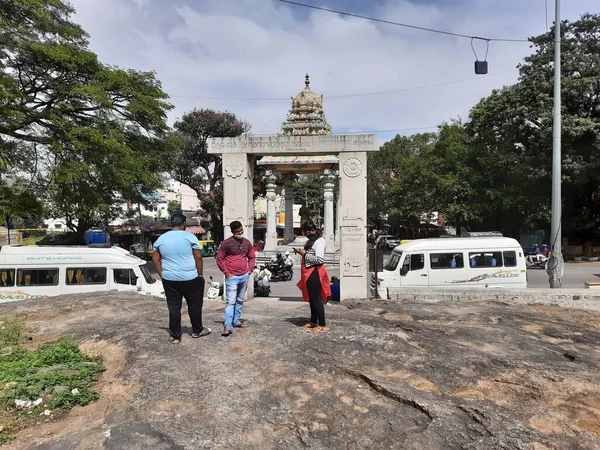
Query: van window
37, 277
510, 259
417, 262
392, 261
446, 261
86, 275
485, 259
413, 262
7, 277
125, 276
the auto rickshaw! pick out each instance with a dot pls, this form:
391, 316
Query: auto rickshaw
141, 251
207, 247
138, 250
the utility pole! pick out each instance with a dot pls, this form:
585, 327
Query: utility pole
8, 224
141, 224
555, 266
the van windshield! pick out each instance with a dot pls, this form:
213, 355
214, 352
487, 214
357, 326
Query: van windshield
147, 276
392, 261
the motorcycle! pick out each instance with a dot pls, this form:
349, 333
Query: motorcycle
280, 272
215, 289
535, 261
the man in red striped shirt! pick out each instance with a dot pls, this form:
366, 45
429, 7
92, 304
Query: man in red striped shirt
236, 259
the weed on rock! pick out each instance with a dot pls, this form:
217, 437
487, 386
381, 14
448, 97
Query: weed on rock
35, 382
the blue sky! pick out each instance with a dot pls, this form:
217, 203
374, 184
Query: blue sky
205, 51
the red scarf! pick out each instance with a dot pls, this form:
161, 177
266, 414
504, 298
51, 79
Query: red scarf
323, 276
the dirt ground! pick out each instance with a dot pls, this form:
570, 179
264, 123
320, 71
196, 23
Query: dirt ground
387, 375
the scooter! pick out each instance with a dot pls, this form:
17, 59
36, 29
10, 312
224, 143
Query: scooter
535, 261
215, 289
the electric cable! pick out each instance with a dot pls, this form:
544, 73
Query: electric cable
329, 97
389, 22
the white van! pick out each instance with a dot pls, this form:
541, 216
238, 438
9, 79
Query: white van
465, 263
34, 271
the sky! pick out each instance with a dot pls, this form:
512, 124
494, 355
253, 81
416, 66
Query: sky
250, 57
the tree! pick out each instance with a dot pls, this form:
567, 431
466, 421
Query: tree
98, 131
511, 131
308, 191
192, 165
399, 188
172, 206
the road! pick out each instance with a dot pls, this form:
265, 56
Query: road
576, 273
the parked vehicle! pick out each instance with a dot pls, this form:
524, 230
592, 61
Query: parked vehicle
465, 263
386, 241
141, 252
215, 289
207, 247
261, 282
36, 271
536, 261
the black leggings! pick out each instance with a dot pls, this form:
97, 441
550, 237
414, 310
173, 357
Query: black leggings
317, 307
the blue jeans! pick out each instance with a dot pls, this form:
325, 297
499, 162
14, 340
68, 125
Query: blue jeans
235, 291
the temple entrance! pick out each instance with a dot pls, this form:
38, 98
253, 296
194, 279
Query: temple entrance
351, 150
305, 145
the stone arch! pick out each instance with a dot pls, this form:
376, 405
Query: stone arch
238, 204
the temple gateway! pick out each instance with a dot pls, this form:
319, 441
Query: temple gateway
304, 145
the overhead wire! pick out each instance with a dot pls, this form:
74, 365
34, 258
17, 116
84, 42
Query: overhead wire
389, 22
364, 94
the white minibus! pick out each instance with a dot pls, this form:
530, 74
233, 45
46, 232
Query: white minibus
35, 271
464, 263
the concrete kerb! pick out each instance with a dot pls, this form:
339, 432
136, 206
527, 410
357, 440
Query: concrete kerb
572, 298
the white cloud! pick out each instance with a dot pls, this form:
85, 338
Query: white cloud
263, 48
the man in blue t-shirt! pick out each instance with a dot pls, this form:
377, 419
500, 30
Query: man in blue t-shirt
178, 260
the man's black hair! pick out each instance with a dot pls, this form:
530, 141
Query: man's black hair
235, 225
177, 220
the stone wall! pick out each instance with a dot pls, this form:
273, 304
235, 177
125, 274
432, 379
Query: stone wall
571, 298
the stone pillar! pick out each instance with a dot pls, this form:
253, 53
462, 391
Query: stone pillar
288, 184
328, 196
353, 224
271, 236
337, 220
238, 204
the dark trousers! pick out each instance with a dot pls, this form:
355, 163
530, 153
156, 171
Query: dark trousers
317, 306
193, 291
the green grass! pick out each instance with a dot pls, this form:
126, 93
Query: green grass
49, 372
12, 331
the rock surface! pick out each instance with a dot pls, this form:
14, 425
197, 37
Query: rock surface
389, 375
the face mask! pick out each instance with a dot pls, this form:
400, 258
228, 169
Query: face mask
238, 236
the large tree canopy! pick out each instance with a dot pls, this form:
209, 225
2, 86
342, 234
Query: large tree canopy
194, 166
512, 133
97, 132
494, 172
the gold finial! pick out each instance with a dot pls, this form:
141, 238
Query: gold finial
307, 81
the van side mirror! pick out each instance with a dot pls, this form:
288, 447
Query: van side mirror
404, 270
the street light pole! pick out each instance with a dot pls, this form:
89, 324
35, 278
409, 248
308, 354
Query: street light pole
556, 268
